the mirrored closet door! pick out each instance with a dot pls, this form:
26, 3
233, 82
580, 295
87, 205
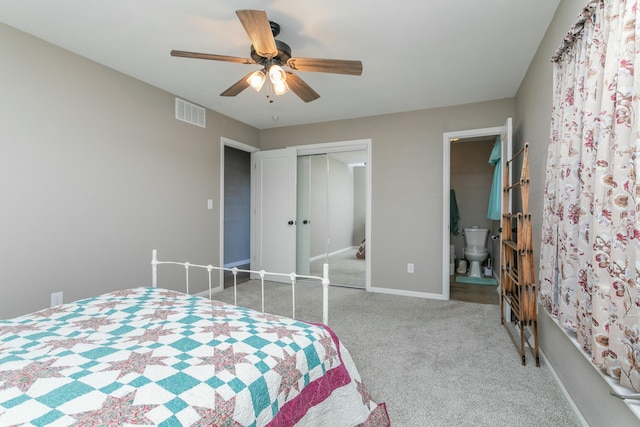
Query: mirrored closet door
331, 215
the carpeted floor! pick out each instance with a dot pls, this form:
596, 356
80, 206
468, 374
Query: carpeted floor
344, 268
434, 363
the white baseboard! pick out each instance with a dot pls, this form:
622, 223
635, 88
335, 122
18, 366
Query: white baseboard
404, 293
237, 263
349, 248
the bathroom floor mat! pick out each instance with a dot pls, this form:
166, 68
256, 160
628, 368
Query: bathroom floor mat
476, 280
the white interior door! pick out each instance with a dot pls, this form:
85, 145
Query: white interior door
274, 240
506, 139
507, 152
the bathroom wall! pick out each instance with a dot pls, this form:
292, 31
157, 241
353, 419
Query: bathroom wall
471, 176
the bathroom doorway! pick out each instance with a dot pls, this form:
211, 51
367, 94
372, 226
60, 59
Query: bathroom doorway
466, 164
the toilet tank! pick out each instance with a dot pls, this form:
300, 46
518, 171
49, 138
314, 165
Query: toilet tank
476, 237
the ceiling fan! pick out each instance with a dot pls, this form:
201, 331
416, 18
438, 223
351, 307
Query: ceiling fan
272, 55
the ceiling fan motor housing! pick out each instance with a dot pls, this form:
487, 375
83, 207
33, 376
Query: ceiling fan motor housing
284, 53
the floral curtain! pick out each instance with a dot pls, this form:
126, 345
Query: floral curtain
590, 252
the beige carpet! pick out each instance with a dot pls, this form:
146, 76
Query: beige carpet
434, 363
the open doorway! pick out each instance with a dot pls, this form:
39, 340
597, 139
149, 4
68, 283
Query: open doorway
453, 234
235, 208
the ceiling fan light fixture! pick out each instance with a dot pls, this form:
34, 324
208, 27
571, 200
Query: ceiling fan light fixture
280, 88
277, 74
272, 55
256, 80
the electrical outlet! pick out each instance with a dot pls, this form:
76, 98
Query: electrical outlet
410, 268
56, 298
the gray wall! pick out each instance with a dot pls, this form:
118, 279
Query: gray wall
95, 172
407, 180
533, 109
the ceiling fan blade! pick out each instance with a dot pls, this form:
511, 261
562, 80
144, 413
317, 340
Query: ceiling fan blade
336, 66
197, 55
258, 28
300, 88
238, 86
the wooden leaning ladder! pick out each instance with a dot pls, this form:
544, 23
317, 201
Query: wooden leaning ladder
517, 278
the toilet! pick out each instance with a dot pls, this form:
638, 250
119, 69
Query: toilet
475, 240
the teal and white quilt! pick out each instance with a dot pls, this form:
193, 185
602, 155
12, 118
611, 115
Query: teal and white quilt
149, 356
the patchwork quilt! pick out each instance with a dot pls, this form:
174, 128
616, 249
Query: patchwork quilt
149, 356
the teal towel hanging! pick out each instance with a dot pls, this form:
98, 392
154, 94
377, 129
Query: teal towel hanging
493, 211
454, 214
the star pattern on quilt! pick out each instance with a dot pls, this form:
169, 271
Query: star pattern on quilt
124, 293
364, 392
282, 331
68, 343
115, 411
220, 328
160, 314
171, 294
330, 352
221, 416
225, 360
271, 317
151, 334
136, 362
92, 323
166, 303
289, 373
48, 312
107, 305
16, 329
216, 303
221, 313
25, 377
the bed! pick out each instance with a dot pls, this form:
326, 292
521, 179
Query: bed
152, 356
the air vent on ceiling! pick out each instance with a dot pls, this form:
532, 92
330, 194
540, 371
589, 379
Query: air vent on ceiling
190, 113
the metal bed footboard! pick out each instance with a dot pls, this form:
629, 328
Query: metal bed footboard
210, 268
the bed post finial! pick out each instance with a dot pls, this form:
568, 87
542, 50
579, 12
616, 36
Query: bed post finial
325, 294
154, 268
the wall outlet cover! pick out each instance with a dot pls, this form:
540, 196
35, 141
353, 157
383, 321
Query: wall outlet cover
56, 298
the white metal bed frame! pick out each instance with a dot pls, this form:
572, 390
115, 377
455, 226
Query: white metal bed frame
292, 276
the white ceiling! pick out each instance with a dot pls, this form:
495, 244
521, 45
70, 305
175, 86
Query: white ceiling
416, 54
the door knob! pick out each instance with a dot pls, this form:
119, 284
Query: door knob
290, 222
306, 221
